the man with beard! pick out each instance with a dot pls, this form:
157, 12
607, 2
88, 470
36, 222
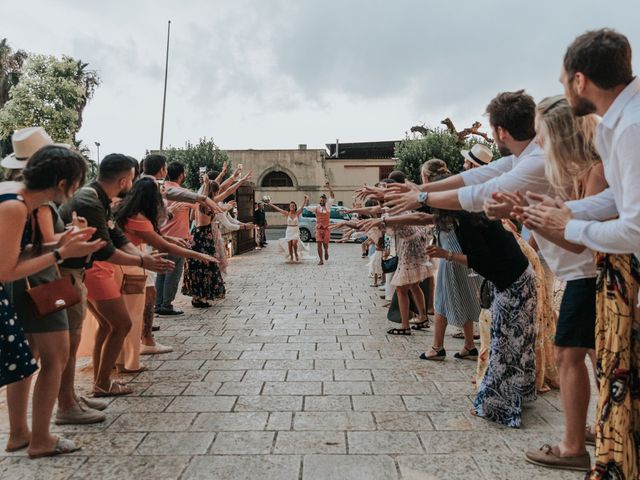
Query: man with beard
95, 280
597, 78
323, 221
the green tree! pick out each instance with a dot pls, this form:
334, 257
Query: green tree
10, 69
52, 93
413, 151
205, 153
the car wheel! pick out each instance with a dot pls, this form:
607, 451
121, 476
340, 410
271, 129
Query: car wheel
305, 235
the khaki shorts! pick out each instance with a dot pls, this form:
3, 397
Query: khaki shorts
77, 313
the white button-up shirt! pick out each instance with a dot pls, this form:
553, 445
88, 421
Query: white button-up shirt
524, 173
618, 143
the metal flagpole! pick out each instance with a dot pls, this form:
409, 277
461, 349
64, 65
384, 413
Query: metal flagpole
166, 73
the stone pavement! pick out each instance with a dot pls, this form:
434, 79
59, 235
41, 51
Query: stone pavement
293, 377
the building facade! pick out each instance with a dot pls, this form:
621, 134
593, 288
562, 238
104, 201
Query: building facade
289, 175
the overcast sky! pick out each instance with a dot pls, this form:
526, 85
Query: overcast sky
276, 73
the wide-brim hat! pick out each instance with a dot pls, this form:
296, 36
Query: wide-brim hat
26, 142
479, 154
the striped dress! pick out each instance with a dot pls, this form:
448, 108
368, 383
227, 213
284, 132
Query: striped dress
457, 294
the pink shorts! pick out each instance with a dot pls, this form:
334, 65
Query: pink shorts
101, 282
323, 234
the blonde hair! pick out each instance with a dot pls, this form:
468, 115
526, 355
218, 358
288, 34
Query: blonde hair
434, 168
568, 145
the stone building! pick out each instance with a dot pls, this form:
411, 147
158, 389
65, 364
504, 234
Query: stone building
287, 175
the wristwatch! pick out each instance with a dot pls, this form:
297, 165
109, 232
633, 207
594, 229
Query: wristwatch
58, 257
422, 198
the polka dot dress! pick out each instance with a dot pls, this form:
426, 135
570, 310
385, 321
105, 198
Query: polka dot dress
16, 361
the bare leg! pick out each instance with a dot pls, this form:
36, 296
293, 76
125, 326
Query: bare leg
403, 304
326, 251
53, 350
290, 245
101, 336
149, 304
114, 314
375, 279
319, 246
418, 298
295, 249
467, 330
438, 335
17, 401
574, 392
67, 397
432, 295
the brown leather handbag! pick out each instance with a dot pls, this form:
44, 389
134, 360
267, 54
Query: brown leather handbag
133, 284
53, 296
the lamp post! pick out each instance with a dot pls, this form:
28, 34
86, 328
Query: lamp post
166, 74
97, 144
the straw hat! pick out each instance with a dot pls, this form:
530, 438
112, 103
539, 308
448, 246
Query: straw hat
478, 155
26, 142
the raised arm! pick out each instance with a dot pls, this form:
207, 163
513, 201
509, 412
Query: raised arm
231, 190
223, 172
278, 209
304, 204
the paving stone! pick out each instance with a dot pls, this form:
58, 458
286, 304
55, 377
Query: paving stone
280, 421
202, 388
346, 421
152, 422
451, 467
310, 442
236, 421
242, 467
346, 388
309, 375
384, 443
353, 467
352, 375
378, 403
264, 376
242, 443
240, 388
330, 403
176, 443
133, 467
292, 388
268, 403
202, 404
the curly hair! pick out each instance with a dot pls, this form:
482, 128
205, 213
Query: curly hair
52, 164
434, 168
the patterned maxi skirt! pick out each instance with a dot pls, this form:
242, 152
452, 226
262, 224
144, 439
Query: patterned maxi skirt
617, 365
203, 280
510, 380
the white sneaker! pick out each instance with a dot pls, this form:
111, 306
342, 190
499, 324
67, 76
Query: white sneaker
382, 288
155, 349
94, 403
79, 416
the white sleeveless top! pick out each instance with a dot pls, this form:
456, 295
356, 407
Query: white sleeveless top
292, 222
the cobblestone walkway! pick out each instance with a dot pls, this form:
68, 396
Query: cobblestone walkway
293, 377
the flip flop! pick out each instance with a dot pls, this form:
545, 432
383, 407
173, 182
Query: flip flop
63, 446
115, 390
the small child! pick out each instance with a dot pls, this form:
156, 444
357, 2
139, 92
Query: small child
375, 263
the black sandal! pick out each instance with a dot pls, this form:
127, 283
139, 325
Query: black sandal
421, 325
438, 357
199, 304
399, 331
467, 354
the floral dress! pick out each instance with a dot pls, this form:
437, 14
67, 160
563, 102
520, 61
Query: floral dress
204, 280
414, 265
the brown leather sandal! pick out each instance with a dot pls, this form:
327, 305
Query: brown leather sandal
115, 390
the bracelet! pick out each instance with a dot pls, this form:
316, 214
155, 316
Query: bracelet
58, 256
449, 256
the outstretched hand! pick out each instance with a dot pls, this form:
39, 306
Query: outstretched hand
367, 191
503, 204
402, 202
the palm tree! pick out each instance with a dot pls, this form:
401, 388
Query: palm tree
89, 81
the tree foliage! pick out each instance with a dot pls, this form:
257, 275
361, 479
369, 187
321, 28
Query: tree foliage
51, 93
414, 150
205, 153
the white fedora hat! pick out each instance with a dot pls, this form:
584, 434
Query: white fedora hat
478, 155
26, 142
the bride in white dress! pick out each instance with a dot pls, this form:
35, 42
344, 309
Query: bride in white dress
291, 246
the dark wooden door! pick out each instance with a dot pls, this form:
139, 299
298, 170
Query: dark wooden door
245, 197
